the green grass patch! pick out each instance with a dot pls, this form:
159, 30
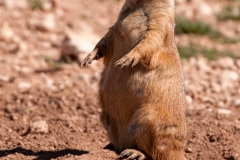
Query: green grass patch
184, 26
53, 63
35, 4
194, 50
229, 14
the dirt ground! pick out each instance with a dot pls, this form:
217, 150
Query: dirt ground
50, 110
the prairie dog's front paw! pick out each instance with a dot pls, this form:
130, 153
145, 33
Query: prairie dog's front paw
90, 57
127, 60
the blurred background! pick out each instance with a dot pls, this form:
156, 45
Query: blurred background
49, 107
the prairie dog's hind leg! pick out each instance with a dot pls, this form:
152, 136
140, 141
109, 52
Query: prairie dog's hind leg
132, 154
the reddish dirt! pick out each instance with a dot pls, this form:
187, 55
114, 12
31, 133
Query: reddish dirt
51, 111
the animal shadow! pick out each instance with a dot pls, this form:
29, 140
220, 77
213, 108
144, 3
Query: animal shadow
110, 147
43, 155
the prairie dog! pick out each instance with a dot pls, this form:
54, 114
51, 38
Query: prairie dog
141, 87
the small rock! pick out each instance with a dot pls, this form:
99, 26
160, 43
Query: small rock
68, 51
189, 99
85, 77
13, 4
212, 138
202, 64
237, 102
6, 33
59, 12
9, 47
14, 117
48, 5
229, 75
5, 79
221, 104
196, 9
13, 48
238, 63
24, 87
46, 45
45, 23
77, 45
224, 111
49, 22
39, 126
237, 126
226, 62
188, 150
54, 88
25, 70
215, 87
23, 46
55, 40
49, 82
204, 8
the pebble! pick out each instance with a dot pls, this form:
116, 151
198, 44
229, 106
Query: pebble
46, 23
238, 63
188, 150
224, 111
14, 117
237, 102
226, 62
189, 99
78, 44
84, 77
6, 33
4, 79
237, 126
229, 75
39, 126
24, 87
48, 5
13, 4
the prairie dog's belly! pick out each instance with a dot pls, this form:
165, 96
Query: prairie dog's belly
134, 25
125, 84
121, 98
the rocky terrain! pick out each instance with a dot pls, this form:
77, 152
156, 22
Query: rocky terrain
49, 107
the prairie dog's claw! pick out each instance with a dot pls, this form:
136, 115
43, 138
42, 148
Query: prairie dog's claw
90, 57
132, 154
127, 60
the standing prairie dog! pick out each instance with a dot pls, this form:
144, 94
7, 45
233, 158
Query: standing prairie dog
141, 87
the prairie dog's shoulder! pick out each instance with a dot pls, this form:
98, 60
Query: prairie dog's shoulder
133, 23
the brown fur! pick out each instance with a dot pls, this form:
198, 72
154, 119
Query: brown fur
143, 106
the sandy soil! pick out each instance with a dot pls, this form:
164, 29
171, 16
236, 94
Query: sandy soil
50, 110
